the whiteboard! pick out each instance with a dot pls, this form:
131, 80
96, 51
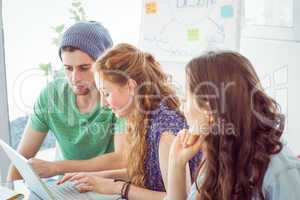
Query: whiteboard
178, 30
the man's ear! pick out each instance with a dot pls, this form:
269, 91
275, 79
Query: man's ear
132, 85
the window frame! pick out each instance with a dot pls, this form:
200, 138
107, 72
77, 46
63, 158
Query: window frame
274, 32
4, 116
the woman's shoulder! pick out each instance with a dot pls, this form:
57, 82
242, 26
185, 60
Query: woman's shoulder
166, 113
282, 162
283, 175
168, 118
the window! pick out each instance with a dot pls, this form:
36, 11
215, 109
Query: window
31, 56
4, 125
270, 13
272, 19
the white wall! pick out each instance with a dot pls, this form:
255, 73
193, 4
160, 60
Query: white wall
277, 63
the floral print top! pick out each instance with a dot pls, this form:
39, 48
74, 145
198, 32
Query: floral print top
162, 120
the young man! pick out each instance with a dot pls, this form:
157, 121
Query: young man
70, 108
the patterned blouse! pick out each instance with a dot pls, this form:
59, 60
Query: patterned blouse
162, 120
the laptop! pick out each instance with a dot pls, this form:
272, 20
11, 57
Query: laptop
45, 189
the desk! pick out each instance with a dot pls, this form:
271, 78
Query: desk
20, 187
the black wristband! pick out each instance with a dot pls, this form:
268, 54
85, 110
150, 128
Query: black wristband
119, 180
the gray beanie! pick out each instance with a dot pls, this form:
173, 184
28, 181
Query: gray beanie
90, 37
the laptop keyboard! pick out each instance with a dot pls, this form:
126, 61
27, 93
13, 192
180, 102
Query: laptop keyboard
67, 191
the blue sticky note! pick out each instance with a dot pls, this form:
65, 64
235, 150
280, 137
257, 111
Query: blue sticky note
227, 11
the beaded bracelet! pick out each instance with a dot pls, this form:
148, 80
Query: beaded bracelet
127, 190
123, 191
123, 187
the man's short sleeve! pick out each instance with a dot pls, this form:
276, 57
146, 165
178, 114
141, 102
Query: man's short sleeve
119, 126
39, 117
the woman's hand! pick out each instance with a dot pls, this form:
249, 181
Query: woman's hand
189, 142
87, 182
69, 176
185, 147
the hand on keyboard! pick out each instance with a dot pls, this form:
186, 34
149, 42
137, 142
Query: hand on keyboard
67, 191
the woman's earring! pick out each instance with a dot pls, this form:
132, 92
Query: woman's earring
211, 119
131, 93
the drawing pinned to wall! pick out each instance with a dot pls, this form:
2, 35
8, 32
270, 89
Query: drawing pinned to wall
182, 29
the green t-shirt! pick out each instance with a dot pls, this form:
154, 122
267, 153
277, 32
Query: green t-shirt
79, 135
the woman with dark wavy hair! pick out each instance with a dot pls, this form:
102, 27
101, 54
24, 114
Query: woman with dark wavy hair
238, 127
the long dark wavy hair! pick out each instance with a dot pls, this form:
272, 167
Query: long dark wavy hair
236, 160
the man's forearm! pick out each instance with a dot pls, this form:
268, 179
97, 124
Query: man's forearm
104, 162
13, 174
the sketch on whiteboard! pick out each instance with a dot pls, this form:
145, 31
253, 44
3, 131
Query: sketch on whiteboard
182, 29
